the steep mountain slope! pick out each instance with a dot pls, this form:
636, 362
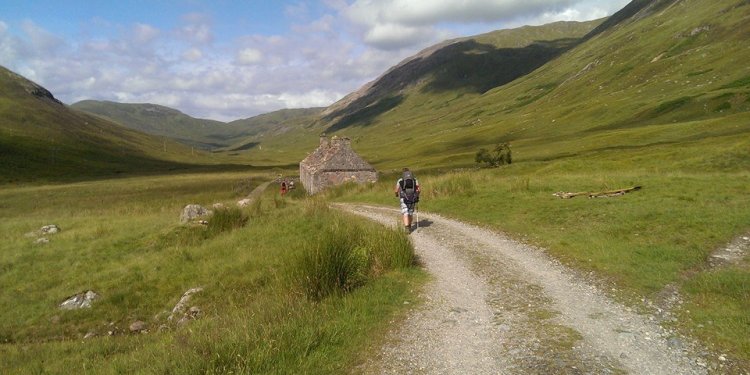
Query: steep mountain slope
41, 139
474, 64
664, 76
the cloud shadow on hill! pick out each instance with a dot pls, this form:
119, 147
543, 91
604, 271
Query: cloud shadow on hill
464, 65
366, 115
470, 66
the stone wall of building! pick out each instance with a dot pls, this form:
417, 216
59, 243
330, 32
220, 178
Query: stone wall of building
333, 163
327, 179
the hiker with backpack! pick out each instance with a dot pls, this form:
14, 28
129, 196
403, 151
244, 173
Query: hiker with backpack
407, 190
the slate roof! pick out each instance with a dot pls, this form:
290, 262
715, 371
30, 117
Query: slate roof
336, 155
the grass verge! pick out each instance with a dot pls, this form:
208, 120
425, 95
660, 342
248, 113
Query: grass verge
121, 238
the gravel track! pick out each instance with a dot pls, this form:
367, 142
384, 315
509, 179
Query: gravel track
496, 306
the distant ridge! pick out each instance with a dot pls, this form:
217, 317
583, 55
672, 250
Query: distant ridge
202, 133
159, 120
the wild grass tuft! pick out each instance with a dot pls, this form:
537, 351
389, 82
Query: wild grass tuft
334, 263
450, 185
226, 219
345, 254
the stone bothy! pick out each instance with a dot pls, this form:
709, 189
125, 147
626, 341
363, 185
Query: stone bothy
334, 163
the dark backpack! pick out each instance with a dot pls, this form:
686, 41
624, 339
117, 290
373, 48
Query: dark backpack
408, 186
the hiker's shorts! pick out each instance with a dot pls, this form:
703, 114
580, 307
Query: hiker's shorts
407, 209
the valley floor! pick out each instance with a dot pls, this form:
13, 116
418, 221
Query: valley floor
498, 306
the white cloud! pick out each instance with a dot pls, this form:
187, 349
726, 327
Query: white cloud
392, 24
314, 98
197, 28
430, 12
192, 54
249, 56
145, 33
583, 10
391, 36
41, 40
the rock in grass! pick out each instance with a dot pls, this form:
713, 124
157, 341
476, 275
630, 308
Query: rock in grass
45, 230
42, 240
192, 212
79, 301
138, 326
50, 229
180, 309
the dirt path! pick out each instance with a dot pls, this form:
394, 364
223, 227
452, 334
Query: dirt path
496, 306
258, 191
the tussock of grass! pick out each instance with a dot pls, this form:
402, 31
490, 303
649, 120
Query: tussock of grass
454, 184
226, 219
345, 255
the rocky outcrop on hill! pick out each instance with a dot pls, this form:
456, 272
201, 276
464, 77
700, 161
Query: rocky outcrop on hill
81, 300
33, 88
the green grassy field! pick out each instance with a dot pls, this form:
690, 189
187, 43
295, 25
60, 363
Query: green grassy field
636, 245
259, 313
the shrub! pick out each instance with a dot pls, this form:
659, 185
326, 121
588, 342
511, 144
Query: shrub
500, 155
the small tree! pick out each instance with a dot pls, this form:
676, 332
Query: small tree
500, 155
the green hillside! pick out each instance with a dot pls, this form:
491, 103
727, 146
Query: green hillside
42, 140
656, 73
658, 80
465, 65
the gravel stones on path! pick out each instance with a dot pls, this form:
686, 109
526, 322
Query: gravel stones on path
496, 306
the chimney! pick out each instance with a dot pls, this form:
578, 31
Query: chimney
323, 141
341, 142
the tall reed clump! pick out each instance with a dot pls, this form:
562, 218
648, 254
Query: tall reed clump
226, 219
450, 185
346, 253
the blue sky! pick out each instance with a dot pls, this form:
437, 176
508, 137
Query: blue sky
228, 60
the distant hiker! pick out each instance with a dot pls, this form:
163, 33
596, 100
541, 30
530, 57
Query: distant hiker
283, 187
291, 185
407, 190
